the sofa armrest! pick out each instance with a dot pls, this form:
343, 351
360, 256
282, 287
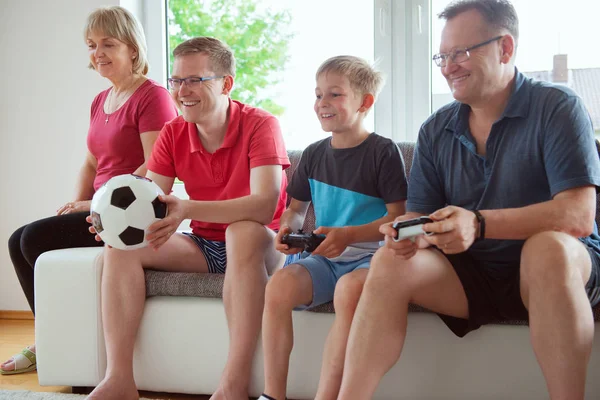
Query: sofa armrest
68, 326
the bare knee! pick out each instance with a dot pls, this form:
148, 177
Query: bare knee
248, 231
122, 259
348, 291
284, 291
383, 264
110, 253
552, 262
389, 270
247, 239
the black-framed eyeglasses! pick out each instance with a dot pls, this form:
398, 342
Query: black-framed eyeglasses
458, 56
191, 82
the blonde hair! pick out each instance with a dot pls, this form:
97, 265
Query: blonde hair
220, 55
363, 77
119, 23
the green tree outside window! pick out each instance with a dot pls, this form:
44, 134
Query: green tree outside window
259, 40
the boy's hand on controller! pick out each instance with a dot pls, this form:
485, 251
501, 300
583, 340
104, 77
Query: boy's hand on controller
284, 248
455, 229
336, 241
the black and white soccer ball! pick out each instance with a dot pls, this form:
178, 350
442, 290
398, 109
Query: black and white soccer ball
123, 208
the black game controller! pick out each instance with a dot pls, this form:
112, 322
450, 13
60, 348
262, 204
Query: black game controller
307, 241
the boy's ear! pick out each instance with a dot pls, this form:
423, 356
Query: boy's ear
368, 100
227, 84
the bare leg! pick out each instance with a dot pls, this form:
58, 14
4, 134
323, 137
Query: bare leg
123, 298
250, 254
347, 294
555, 268
379, 325
288, 288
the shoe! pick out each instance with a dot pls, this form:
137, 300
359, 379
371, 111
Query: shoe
25, 361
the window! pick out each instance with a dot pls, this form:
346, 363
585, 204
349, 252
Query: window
279, 44
382, 31
401, 36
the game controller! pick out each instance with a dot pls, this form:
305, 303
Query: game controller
411, 228
307, 241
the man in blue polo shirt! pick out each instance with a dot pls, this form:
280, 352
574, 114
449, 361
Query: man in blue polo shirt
509, 173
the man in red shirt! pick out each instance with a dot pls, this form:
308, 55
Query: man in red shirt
231, 158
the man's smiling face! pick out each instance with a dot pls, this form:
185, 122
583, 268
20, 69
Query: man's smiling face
475, 79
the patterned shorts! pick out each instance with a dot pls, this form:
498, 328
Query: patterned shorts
214, 253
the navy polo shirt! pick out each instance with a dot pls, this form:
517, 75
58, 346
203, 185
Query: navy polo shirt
542, 145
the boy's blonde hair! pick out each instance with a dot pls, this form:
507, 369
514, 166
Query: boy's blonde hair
220, 55
363, 77
119, 23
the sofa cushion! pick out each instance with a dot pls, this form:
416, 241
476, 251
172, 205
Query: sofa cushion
160, 283
211, 285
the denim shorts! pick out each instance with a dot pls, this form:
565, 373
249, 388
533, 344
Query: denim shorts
325, 274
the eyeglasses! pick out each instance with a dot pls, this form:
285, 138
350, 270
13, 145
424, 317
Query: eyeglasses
191, 82
458, 56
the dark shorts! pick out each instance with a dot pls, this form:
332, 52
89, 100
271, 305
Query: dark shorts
494, 295
214, 253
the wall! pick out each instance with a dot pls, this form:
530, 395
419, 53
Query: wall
44, 113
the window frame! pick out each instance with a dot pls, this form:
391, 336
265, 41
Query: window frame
402, 31
154, 19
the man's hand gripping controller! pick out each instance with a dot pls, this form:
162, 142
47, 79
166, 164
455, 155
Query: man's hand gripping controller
411, 228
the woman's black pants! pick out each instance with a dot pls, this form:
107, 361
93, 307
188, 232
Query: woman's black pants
59, 232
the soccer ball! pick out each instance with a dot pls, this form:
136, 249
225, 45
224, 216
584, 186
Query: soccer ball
123, 208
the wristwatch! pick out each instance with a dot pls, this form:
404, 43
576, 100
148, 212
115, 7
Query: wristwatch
481, 222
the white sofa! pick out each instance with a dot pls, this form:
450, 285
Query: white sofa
182, 345
183, 340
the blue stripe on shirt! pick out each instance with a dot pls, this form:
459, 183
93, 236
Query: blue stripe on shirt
337, 207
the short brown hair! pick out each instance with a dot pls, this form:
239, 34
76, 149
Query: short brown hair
363, 77
119, 23
499, 14
220, 55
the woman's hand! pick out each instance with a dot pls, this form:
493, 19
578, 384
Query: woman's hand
74, 206
161, 231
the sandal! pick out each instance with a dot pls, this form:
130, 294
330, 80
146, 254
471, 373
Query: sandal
24, 362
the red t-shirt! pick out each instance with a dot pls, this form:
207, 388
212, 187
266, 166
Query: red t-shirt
116, 144
253, 139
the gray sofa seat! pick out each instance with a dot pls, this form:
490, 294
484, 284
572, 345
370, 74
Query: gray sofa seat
211, 285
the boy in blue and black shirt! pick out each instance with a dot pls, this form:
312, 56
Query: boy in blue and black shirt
356, 182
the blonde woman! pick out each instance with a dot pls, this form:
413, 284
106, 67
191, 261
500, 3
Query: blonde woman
124, 123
